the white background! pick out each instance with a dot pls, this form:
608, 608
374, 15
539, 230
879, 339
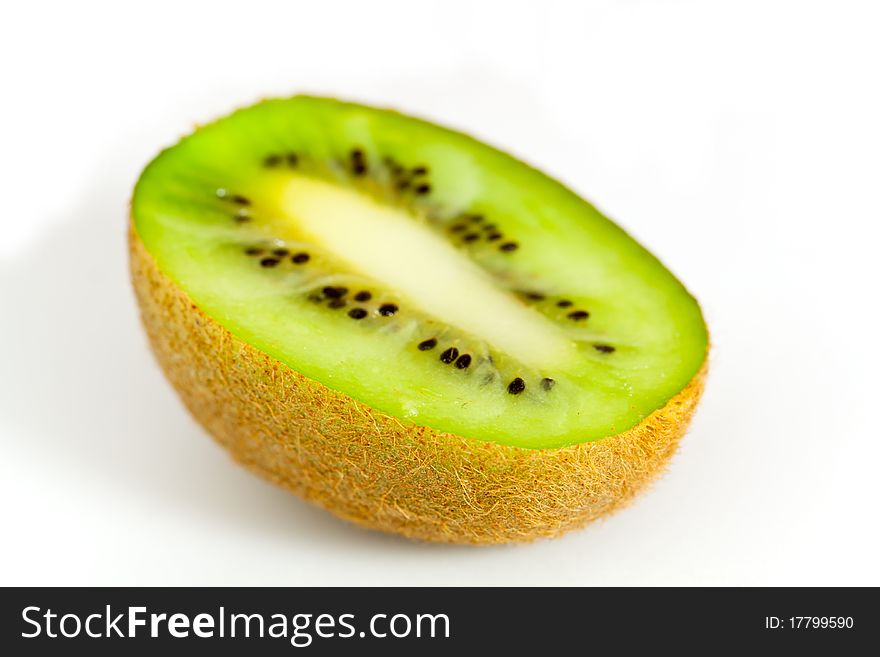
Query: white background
740, 141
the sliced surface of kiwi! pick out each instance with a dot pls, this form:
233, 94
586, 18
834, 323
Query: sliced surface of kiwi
327, 262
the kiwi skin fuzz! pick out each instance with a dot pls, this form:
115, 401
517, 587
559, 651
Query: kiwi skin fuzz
376, 470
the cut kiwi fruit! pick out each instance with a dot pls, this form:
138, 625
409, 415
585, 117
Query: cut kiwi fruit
409, 327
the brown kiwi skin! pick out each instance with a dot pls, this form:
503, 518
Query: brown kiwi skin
379, 471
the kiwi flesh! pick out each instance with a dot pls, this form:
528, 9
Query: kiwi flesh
416, 331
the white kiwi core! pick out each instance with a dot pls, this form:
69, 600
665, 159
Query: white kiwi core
384, 243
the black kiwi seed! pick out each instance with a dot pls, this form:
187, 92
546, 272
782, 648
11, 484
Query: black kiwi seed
547, 383
337, 303
402, 184
269, 262
281, 252
253, 251
463, 361
272, 161
292, 159
387, 309
357, 313
457, 228
509, 246
240, 200
493, 236
357, 155
516, 386
534, 296
449, 355
363, 296
564, 303
241, 218
334, 292
424, 188
471, 237
604, 348
419, 170
359, 168
476, 218
427, 345
578, 315
300, 258
490, 228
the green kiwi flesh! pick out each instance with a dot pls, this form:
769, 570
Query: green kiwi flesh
420, 272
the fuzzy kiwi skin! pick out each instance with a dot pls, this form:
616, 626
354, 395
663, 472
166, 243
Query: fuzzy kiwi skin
376, 470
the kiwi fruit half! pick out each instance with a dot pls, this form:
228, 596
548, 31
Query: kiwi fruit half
408, 327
